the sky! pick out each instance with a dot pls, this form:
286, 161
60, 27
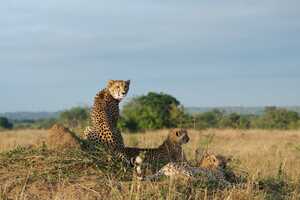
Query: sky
55, 54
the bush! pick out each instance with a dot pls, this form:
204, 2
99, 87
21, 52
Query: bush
272, 118
277, 118
4, 123
76, 117
235, 121
208, 119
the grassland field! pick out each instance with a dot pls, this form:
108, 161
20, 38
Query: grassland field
271, 156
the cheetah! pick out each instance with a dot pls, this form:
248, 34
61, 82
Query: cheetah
208, 165
219, 164
169, 151
210, 160
184, 170
104, 117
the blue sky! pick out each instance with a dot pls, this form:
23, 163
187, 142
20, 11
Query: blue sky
55, 54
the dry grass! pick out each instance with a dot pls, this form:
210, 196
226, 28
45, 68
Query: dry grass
11, 139
272, 157
259, 151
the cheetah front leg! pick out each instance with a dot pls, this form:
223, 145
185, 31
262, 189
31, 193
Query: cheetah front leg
171, 169
118, 151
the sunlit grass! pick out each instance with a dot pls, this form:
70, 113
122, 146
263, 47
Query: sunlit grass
271, 160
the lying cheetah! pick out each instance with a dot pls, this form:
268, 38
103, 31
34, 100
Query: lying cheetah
209, 166
176, 170
210, 160
169, 151
104, 117
219, 164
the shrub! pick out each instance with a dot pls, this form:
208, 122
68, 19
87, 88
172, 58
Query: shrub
4, 123
209, 119
277, 118
76, 117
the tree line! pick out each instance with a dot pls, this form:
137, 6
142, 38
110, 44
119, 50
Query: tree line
160, 110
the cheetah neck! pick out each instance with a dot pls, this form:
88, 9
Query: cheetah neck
104, 97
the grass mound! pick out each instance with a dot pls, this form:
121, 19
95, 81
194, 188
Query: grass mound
22, 167
60, 137
49, 164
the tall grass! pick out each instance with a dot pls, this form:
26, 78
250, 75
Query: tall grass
271, 159
27, 137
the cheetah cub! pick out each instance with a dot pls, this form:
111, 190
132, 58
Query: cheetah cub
169, 151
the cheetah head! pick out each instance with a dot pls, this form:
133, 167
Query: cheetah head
210, 160
179, 136
118, 88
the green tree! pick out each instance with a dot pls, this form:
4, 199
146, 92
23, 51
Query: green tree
76, 117
151, 111
230, 121
4, 123
209, 119
245, 122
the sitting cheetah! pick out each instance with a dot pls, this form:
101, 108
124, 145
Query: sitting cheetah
104, 117
169, 151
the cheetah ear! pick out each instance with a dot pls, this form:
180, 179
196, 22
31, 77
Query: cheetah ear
128, 82
229, 158
110, 82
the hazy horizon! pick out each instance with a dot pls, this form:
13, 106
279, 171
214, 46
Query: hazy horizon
57, 54
186, 107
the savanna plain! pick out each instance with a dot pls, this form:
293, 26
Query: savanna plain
269, 160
